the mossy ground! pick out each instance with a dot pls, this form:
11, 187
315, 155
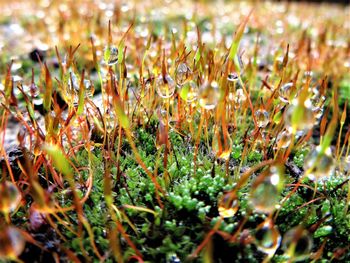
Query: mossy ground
159, 201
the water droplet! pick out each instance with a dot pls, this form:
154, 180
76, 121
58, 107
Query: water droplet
89, 88
232, 76
110, 120
297, 243
183, 74
318, 112
239, 98
317, 100
72, 82
262, 118
209, 95
267, 237
191, 91
283, 139
309, 76
111, 55
12, 243
285, 92
236, 67
174, 259
165, 86
228, 205
299, 116
34, 90
222, 143
266, 189
319, 165
10, 197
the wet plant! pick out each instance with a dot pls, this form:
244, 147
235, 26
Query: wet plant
174, 138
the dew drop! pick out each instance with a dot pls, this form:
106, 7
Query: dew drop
72, 82
110, 120
34, 90
89, 88
266, 189
262, 118
299, 116
183, 74
283, 139
209, 95
12, 243
319, 165
222, 143
191, 92
239, 98
318, 112
267, 237
111, 55
309, 76
232, 77
285, 92
174, 259
10, 197
317, 100
228, 205
297, 243
165, 86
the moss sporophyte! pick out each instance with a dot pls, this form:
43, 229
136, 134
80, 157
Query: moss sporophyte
174, 132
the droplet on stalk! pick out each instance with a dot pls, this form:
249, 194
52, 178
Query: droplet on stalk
267, 237
318, 112
110, 120
165, 86
189, 91
232, 77
283, 139
209, 95
239, 98
297, 243
299, 116
317, 99
262, 118
222, 143
319, 165
111, 55
34, 90
285, 92
73, 82
266, 189
10, 197
228, 205
89, 88
309, 76
236, 67
174, 259
12, 243
183, 74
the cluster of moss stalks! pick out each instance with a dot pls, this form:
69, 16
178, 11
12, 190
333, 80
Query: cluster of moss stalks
168, 167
